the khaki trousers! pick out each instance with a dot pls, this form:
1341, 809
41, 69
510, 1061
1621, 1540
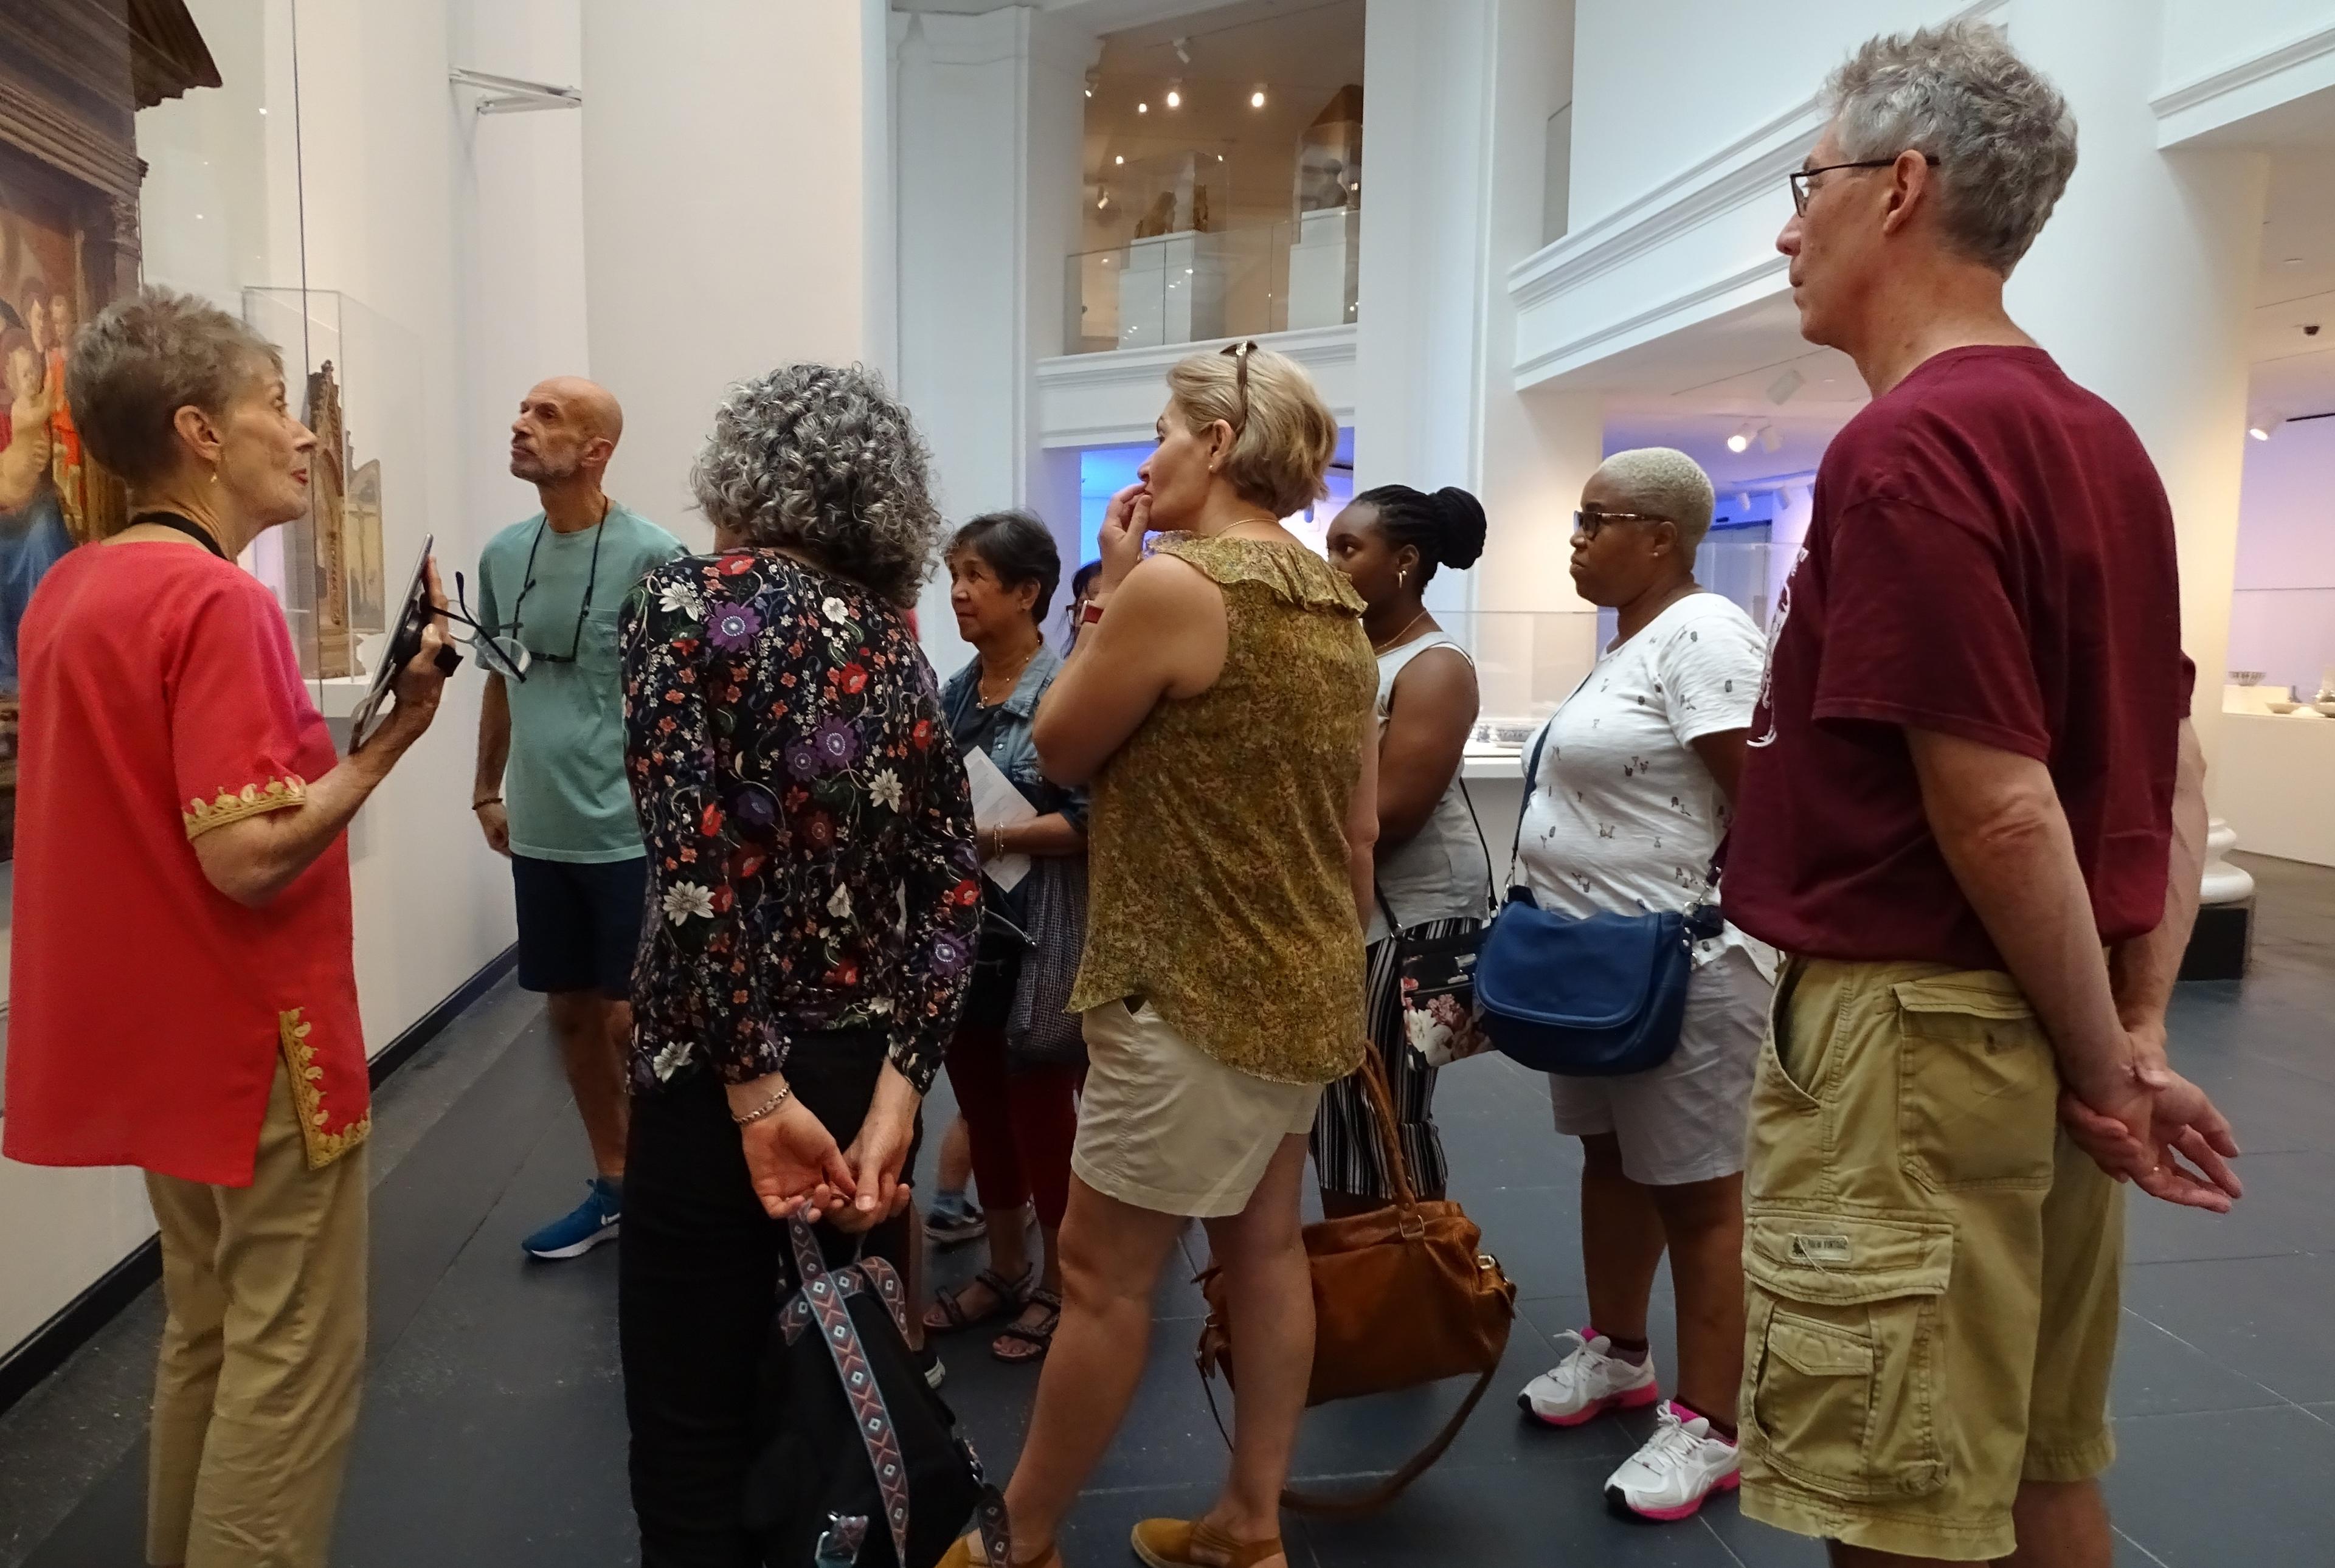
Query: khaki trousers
263, 1356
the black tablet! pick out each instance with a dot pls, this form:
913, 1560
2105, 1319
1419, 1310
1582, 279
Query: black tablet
413, 612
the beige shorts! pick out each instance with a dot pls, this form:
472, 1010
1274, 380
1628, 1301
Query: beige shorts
1166, 1127
1930, 1266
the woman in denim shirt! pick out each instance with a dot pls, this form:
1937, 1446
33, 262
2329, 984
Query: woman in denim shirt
1021, 1116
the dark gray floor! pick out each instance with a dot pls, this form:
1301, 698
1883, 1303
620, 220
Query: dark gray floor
493, 1430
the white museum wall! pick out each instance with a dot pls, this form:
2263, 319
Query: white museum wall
739, 215
402, 220
2205, 37
1719, 70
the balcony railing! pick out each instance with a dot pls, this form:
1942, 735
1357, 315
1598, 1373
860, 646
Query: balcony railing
1189, 286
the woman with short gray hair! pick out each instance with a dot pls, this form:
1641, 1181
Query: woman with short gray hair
183, 992
1629, 791
814, 905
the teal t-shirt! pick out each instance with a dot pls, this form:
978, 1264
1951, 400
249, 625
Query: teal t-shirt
564, 785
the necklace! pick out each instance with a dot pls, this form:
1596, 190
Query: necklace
1247, 522
180, 525
1011, 681
1398, 636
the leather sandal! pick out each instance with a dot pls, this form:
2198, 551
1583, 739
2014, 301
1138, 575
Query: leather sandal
967, 1554
1178, 1542
949, 1305
1038, 1337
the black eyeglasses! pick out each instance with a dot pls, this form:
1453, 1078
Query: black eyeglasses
527, 586
1799, 177
497, 654
1240, 353
1586, 524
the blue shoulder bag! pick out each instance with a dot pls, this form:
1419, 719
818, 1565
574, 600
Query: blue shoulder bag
1591, 997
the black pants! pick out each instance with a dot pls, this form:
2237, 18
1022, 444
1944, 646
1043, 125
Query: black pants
701, 1270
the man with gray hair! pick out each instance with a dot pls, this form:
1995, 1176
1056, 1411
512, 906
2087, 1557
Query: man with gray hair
1973, 815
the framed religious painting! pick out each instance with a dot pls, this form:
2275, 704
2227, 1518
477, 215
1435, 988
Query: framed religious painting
74, 73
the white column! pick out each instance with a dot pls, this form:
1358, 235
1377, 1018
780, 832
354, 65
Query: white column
1419, 337
2141, 287
736, 212
990, 123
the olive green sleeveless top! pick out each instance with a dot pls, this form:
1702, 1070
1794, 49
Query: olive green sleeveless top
1216, 848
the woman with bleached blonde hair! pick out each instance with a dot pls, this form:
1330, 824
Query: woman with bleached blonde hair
1219, 705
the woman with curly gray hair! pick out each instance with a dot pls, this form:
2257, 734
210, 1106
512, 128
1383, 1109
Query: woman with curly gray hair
798, 792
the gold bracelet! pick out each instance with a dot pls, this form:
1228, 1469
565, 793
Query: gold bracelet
786, 1092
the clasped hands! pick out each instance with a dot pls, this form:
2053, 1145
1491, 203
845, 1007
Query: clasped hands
796, 1167
2142, 1122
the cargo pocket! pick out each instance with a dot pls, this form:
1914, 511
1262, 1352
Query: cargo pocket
1845, 1359
1978, 1101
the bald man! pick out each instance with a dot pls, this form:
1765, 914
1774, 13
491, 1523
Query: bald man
551, 792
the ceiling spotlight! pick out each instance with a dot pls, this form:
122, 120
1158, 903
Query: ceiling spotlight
1771, 440
1175, 98
1740, 441
1257, 99
1780, 390
2261, 431
1143, 109
1119, 159
1182, 53
1102, 201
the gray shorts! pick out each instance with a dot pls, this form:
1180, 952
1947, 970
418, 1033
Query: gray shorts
1685, 1120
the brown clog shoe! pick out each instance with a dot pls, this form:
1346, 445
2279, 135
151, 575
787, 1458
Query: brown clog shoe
1195, 1543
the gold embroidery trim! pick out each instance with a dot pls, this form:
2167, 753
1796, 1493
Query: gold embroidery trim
308, 1096
275, 794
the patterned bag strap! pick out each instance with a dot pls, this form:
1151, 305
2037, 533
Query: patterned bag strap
876, 1433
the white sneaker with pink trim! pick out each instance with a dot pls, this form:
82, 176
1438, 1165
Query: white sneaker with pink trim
1680, 1466
1588, 1383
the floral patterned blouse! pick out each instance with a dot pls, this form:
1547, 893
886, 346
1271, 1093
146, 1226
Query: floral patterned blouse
809, 826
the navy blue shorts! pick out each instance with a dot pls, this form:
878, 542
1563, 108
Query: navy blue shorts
579, 922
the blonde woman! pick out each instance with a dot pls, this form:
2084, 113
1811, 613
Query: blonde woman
1219, 704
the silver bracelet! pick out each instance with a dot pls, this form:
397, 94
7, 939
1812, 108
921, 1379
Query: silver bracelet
767, 1107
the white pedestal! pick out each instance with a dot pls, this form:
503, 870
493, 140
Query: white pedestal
1172, 291
1322, 268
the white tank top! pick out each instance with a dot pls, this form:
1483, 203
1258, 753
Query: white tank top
1442, 872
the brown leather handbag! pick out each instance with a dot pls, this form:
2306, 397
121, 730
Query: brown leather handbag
1402, 1296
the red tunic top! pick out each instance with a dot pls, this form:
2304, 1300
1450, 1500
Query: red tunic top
148, 1010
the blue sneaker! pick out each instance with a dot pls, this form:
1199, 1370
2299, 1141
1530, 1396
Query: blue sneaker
592, 1221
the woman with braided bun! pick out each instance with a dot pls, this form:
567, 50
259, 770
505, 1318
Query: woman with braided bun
1432, 876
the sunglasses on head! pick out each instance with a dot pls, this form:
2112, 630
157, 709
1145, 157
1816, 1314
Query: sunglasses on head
1240, 353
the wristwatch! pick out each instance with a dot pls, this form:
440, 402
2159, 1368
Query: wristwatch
1092, 614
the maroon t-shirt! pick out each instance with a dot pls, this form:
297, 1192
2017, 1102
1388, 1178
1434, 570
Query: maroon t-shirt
1990, 557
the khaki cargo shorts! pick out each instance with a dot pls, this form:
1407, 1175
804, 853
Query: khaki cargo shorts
1930, 1267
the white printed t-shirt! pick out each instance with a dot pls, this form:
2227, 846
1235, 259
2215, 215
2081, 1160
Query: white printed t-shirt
1624, 818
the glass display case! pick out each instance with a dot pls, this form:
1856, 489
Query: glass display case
2281, 657
1193, 287
355, 377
